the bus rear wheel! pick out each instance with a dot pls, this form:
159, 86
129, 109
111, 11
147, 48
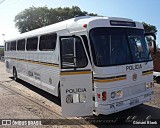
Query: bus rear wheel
15, 74
158, 80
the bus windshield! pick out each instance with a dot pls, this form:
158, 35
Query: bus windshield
117, 46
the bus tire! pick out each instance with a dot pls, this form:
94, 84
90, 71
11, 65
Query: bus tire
158, 80
59, 92
15, 78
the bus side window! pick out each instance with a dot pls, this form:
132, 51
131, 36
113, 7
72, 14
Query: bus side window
48, 42
13, 46
72, 53
32, 44
8, 46
21, 45
5, 48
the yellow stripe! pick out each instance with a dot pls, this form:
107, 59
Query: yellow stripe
111, 80
35, 62
147, 73
75, 73
53, 65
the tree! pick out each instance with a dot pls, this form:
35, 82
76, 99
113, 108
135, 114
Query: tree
1, 52
149, 28
36, 17
155, 57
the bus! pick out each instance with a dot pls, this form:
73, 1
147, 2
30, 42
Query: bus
95, 65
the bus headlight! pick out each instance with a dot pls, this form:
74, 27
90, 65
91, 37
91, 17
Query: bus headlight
69, 98
117, 94
151, 84
147, 85
113, 95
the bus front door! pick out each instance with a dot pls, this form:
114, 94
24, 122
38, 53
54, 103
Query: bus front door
75, 78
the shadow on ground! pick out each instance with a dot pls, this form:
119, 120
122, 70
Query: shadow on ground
40, 92
141, 112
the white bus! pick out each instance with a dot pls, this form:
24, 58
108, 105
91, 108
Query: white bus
96, 65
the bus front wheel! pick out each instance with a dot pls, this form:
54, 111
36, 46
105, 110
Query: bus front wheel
158, 80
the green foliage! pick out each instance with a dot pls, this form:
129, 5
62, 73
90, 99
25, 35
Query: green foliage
36, 17
1, 51
155, 57
149, 28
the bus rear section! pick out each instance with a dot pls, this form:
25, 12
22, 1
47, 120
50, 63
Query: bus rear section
123, 72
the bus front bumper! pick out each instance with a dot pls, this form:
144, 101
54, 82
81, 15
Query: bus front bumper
107, 109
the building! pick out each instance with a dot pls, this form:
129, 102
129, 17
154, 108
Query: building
1, 46
1, 51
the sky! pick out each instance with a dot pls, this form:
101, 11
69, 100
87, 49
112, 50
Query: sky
138, 10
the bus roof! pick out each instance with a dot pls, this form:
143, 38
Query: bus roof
75, 25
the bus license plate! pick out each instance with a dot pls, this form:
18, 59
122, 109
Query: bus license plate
134, 101
119, 103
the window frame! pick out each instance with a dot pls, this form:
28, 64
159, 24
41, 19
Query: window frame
5, 46
9, 46
47, 35
93, 52
75, 67
27, 43
14, 41
24, 44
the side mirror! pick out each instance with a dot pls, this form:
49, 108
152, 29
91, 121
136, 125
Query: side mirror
151, 38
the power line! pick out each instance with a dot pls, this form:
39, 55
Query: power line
8, 4
2, 1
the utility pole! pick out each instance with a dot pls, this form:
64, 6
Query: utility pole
3, 38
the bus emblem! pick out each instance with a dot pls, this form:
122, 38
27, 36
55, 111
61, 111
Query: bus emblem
134, 77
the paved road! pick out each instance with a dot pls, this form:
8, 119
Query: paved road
20, 100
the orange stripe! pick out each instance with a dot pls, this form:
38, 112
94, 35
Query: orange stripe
111, 80
76, 73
